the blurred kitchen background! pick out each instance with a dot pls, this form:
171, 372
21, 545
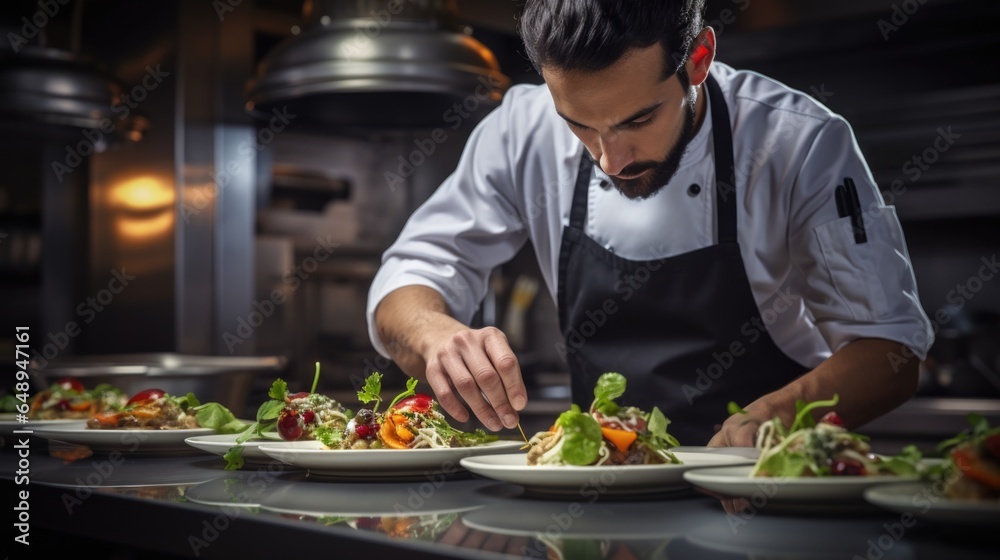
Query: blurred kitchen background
214, 182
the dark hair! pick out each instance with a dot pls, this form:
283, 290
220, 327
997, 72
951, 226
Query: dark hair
591, 35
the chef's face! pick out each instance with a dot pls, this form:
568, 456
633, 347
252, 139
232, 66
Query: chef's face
635, 123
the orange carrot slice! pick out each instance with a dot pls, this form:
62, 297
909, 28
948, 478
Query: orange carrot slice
622, 439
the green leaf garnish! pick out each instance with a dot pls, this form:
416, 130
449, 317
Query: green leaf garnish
609, 387
582, 437
219, 418
734, 408
278, 390
658, 437
372, 390
234, 458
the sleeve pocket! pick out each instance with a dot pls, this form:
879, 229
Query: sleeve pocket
861, 272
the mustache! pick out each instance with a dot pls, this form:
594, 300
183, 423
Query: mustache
637, 167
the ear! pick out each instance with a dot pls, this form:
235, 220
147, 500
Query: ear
702, 55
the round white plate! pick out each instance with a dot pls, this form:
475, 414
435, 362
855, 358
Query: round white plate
597, 480
127, 441
220, 444
927, 501
378, 463
7, 427
736, 482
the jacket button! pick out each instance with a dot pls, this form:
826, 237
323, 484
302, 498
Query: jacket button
604, 184
694, 189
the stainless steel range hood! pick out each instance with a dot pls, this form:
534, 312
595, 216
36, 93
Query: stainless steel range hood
48, 93
377, 63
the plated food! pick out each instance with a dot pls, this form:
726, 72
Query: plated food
605, 435
68, 399
411, 421
153, 409
826, 448
971, 467
301, 416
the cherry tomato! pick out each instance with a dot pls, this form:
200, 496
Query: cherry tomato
147, 395
832, 418
70, 384
289, 425
848, 468
416, 403
299, 395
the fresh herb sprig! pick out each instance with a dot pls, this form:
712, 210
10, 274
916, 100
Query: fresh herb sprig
266, 420
372, 391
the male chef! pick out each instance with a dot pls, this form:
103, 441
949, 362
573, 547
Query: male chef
686, 221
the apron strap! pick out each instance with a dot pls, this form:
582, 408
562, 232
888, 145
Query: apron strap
725, 169
578, 211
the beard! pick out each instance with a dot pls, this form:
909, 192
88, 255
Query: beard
662, 171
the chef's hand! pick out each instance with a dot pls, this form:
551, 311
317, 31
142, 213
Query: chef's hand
477, 366
739, 430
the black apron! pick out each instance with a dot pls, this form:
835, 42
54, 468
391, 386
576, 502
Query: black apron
685, 331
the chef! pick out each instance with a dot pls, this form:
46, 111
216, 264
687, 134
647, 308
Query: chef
709, 233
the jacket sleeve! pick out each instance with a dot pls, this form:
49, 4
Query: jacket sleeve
853, 290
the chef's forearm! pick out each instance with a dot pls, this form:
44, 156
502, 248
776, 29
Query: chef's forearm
870, 376
408, 320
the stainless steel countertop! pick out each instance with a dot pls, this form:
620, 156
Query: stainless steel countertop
188, 505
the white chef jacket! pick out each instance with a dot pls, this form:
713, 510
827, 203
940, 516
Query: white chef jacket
816, 289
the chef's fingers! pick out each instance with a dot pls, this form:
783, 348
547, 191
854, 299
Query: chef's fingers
445, 394
460, 366
506, 365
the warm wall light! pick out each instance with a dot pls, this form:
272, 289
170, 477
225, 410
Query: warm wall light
142, 207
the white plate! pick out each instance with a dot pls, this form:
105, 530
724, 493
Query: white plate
736, 482
927, 501
128, 441
378, 463
220, 444
7, 427
596, 480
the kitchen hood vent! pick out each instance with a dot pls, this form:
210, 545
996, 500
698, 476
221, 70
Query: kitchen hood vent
377, 63
48, 93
